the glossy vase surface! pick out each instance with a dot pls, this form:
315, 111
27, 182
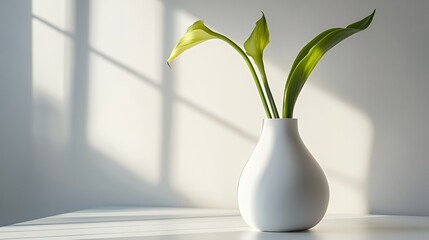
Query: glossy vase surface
282, 187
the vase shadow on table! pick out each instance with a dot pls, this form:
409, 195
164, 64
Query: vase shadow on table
301, 235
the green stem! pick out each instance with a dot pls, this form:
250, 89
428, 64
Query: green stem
252, 71
267, 89
286, 113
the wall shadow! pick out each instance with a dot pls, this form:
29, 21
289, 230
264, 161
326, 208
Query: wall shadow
17, 188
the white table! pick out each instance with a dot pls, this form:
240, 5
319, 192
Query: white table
205, 224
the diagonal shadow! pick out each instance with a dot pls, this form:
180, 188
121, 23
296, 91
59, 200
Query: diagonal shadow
195, 107
167, 91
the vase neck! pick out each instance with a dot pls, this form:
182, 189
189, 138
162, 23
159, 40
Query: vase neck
282, 125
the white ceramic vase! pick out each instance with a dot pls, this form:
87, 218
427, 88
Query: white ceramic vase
282, 187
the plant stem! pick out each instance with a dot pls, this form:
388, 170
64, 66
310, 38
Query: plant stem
252, 71
267, 89
286, 113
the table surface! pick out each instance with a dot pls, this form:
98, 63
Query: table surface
206, 224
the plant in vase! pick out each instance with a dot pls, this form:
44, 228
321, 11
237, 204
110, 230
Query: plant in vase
282, 187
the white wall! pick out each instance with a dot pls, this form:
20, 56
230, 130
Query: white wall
107, 122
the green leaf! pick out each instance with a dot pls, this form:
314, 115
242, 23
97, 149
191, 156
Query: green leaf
254, 46
309, 45
257, 41
310, 55
196, 34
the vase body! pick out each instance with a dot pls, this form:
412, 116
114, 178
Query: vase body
282, 187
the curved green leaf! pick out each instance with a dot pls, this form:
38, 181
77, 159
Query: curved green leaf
310, 55
195, 34
304, 51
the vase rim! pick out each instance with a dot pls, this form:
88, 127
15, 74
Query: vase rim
280, 119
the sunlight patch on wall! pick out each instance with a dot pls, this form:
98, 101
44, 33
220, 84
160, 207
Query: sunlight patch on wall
49, 51
50, 85
124, 97
130, 31
124, 119
55, 12
340, 137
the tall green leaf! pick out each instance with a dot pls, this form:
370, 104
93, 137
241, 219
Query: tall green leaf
257, 41
310, 55
254, 46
